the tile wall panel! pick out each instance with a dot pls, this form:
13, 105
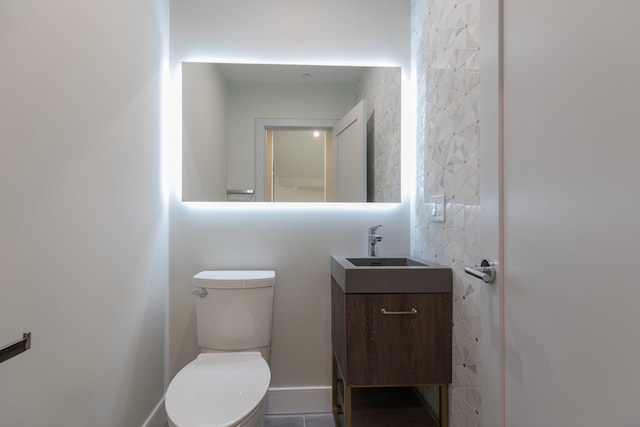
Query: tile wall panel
445, 51
378, 87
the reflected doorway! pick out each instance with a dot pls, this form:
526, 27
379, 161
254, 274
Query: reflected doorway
340, 159
298, 164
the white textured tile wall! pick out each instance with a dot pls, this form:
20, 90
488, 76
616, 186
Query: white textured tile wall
380, 88
445, 51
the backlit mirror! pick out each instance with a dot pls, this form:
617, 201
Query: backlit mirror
290, 133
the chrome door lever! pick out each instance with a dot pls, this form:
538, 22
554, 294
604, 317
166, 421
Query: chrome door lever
486, 271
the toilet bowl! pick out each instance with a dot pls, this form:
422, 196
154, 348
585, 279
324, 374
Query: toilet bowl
219, 390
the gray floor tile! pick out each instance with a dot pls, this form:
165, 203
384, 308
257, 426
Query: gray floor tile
324, 420
313, 420
283, 421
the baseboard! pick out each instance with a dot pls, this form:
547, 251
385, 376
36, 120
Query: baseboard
298, 400
157, 417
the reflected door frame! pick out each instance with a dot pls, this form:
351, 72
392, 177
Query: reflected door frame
262, 125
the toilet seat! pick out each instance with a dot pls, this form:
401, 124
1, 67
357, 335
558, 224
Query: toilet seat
217, 389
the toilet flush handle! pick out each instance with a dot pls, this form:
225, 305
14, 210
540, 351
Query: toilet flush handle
200, 292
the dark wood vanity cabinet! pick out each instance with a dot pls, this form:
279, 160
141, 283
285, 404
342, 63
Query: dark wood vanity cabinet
398, 348
389, 340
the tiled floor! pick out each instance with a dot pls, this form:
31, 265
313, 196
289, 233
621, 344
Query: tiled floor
317, 420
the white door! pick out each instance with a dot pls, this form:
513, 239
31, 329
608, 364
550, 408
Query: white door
571, 203
350, 156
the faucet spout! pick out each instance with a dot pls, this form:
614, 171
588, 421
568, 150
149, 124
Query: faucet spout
373, 239
372, 229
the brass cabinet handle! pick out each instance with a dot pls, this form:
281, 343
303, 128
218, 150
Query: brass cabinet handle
385, 312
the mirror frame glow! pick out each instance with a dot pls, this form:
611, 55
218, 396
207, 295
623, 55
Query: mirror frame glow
391, 141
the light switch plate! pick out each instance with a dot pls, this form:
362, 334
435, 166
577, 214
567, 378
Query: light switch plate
437, 208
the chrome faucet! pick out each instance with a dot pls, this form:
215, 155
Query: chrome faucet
373, 239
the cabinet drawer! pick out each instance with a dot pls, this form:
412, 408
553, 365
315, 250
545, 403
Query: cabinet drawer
398, 339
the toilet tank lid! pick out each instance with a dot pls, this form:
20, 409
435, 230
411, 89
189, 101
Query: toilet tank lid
230, 279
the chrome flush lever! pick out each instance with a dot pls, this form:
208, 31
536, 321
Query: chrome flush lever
200, 292
486, 271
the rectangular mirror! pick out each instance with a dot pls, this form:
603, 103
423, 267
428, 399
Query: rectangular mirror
290, 133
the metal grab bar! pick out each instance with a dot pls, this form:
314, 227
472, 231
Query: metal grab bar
386, 312
16, 348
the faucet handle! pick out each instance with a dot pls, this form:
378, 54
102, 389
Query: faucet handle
372, 230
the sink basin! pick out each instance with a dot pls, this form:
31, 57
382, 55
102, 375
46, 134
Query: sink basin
386, 262
378, 275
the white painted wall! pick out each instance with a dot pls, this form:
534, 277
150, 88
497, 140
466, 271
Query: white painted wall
83, 224
572, 236
295, 241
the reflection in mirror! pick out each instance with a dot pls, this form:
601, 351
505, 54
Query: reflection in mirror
297, 165
227, 157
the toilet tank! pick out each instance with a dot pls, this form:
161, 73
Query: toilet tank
236, 310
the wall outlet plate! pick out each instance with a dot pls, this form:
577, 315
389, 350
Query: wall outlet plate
437, 208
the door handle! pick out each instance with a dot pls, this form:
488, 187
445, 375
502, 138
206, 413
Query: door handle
486, 271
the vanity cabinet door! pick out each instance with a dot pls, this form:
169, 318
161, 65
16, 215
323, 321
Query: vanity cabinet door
400, 347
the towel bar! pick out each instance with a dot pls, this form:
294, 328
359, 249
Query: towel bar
16, 348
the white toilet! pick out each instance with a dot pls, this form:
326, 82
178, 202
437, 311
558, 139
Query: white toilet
227, 383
